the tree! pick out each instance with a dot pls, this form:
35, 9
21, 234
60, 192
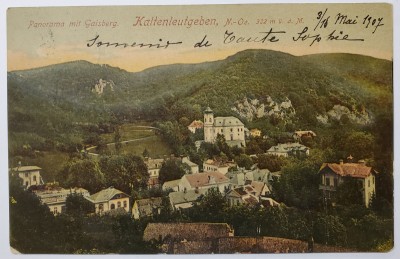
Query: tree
245, 161
117, 140
270, 162
170, 170
210, 207
146, 153
77, 205
349, 192
28, 219
83, 173
125, 172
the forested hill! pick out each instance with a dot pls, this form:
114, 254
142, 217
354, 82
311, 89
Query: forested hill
49, 101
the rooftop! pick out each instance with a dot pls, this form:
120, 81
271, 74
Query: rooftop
26, 168
196, 124
106, 195
206, 178
186, 231
227, 121
185, 197
356, 170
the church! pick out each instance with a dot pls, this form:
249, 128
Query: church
230, 127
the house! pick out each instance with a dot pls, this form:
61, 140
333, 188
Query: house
230, 127
297, 135
255, 133
204, 180
194, 168
289, 149
333, 174
239, 177
146, 207
250, 193
212, 165
186, 231
30, 175
171, 185
185, 199
153, 168
110, 199
195, 125
55, 197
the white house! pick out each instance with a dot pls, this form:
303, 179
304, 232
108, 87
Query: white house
230, 127
55, 197
333, 174
211, 165
110, 199
30, 175
204, 180
289, 149
194, 168
153, 168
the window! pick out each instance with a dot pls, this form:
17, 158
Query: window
231, 130
26, 174
328, 181
34, 178
119, 204
323, 179
125, 204
112, 206
369, 183
335, 182
55, 210
101, 207
209, 120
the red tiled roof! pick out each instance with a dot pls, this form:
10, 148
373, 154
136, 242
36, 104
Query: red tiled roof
251, 200
196, 124
349, 169
202, 179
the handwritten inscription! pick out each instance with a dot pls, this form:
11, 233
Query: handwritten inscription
161, 44
328, 26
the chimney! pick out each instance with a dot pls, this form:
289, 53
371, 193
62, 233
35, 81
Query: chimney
361, 162
341, 161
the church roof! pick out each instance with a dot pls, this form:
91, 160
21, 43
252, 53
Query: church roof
227, 121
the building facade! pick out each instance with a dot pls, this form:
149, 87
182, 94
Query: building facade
30, 175
333, 174
109, 199
230, 127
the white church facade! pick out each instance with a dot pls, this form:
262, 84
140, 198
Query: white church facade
230, 127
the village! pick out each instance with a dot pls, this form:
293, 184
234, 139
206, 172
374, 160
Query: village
239, 186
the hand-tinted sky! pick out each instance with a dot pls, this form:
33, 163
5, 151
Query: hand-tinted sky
35, 36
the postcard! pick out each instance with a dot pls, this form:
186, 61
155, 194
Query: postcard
201, 129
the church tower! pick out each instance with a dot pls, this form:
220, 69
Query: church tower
208, 125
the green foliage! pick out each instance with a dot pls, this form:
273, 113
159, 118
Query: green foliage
125, 172
270, 162
298, 185
210, 206
349, 192
171, 169
83, 173
244, 161
76, 204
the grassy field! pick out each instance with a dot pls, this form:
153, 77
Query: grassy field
128, 131
50, 162
155, 145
